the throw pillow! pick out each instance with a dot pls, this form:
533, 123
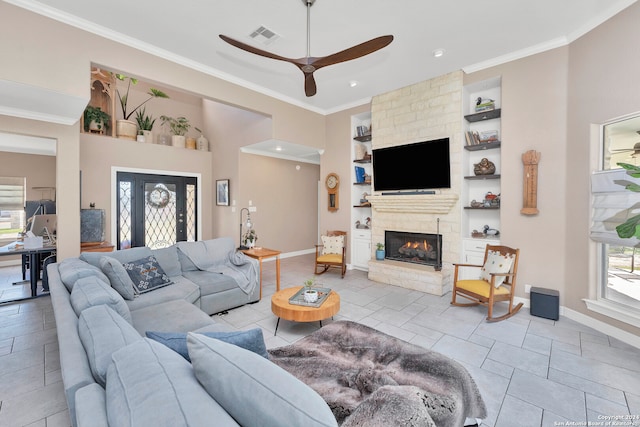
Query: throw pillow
146, 274
91, 291
150, 385
102, 332
230, 374
118, 276
251, 340
332, 244
496, 263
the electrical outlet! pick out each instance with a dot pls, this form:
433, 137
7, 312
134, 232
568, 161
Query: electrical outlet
527, 289
253, 209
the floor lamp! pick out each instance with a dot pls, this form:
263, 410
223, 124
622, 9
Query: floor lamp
247, 224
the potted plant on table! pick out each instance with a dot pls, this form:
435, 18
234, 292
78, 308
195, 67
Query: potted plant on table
145, 124
250, 238
179, 127
310, 295
125, 128
379, 251
95, 119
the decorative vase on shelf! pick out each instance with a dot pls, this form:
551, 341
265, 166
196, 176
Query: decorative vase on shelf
164, 139
203, 143
191, 144
148, 136
140, 137
178, 141
126, 129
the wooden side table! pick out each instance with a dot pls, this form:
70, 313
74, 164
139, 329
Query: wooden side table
300, 313
260, 254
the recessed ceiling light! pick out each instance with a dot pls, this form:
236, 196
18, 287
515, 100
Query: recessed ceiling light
278, 148
438, 53
353, 83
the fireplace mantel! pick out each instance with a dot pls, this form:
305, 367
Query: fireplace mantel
414, 203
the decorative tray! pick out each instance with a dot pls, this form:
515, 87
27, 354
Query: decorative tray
298, 298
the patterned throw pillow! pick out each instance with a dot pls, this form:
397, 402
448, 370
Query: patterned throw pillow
146, 274
332, 244
496, 263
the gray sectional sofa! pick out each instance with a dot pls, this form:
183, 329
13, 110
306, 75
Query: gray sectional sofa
115, 376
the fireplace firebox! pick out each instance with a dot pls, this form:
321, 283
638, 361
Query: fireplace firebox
417, 248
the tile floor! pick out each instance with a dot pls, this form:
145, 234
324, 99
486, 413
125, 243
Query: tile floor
530, 371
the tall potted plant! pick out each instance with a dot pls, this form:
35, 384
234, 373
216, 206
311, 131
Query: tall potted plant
125, 128
179, 127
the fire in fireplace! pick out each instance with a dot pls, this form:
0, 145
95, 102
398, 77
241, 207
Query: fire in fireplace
418, 248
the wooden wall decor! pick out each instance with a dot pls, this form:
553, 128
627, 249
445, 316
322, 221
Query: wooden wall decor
530, 159
103, 95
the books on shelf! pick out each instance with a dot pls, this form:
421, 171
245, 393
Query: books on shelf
475, 138
359, 174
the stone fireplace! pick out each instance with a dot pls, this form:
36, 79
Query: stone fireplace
425, 111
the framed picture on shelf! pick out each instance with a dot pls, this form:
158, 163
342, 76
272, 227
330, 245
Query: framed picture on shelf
222, 192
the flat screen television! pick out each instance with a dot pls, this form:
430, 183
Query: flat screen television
418, 166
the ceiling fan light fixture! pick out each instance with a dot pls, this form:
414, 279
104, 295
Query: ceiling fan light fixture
353, 83
438, 53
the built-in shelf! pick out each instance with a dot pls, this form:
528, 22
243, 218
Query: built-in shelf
361, 183
362, 206
480, 177
363, 138
482, 208
483, 115
483, 146
362, 161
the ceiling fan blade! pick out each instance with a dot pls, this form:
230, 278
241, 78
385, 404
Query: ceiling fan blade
255, 50
309, 84
354, 52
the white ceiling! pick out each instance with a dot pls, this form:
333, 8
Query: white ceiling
474, 34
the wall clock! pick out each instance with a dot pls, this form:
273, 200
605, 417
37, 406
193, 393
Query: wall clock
333, 184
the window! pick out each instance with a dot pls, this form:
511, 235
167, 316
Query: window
618, 259
12, 217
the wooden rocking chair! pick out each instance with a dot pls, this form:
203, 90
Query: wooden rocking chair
332, 253
500, 286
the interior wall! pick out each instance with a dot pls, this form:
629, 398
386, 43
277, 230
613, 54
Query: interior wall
604, 67
39, 170
99, 154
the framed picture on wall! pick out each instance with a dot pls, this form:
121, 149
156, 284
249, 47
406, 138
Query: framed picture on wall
222, 192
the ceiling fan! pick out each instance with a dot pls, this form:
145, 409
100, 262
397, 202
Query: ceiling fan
309, 64
635, 151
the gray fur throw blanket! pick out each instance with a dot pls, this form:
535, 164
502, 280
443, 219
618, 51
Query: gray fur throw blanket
369, 378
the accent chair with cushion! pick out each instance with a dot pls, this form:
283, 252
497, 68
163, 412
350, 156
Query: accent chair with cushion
332, 253
496, 281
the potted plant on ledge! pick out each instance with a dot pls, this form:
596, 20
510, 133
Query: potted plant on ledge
379, 251
145, 124
310, 295
96, 120
179, 127
125, 128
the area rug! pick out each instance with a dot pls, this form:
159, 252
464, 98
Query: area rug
369, 378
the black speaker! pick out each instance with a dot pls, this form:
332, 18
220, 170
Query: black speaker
545, 303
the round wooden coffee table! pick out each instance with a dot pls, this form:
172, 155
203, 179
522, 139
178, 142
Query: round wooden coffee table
299, 313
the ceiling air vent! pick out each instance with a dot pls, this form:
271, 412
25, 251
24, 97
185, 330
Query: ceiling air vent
264, 35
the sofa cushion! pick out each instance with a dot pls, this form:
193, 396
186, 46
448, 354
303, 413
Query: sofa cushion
251, 340
91, 291
210, 282
168, 259
150, 385
118, 277
102, 332
170, 316
146, 274
123, 256
72, 269
180, 289
91, 409
262, 393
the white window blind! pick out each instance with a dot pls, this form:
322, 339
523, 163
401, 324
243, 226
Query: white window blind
12, 193
612, 205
